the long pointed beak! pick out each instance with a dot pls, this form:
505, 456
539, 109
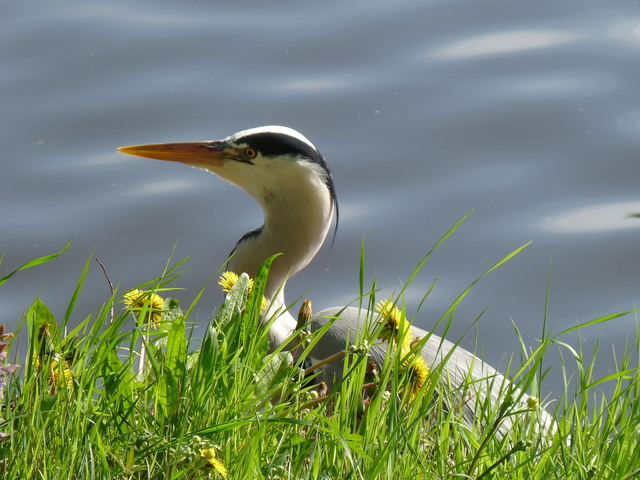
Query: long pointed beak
196, 154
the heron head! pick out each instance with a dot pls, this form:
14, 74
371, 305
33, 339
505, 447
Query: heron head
273, 164
256, 160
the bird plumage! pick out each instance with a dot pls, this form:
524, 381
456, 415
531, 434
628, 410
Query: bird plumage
292, 182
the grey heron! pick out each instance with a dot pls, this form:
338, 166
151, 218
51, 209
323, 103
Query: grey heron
290, 179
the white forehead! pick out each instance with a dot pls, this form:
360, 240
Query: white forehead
271, 129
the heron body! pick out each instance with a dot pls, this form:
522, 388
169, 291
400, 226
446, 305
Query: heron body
292, 182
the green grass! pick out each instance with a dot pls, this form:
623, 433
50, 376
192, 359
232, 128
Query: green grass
82, 406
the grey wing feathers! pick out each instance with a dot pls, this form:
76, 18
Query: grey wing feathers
467, 375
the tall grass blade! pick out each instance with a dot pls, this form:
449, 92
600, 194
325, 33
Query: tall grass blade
37, 261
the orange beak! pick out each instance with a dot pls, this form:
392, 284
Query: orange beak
196, 154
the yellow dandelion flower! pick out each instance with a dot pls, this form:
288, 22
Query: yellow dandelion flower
209, 454
418, 371
139, 300
229, 279
393, 321
54, 372
66, 373
263, 305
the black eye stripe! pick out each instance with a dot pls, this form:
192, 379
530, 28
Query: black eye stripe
276, 144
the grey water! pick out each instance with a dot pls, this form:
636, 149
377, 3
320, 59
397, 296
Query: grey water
527, 113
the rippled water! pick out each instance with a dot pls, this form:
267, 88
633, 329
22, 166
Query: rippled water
526, 112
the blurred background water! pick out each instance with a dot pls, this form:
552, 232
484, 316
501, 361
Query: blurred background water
526, 112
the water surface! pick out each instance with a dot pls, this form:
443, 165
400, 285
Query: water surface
527, 113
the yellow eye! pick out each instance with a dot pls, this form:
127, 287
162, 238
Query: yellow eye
250, 153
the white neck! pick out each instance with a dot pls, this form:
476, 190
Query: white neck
284, 325
297, 217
